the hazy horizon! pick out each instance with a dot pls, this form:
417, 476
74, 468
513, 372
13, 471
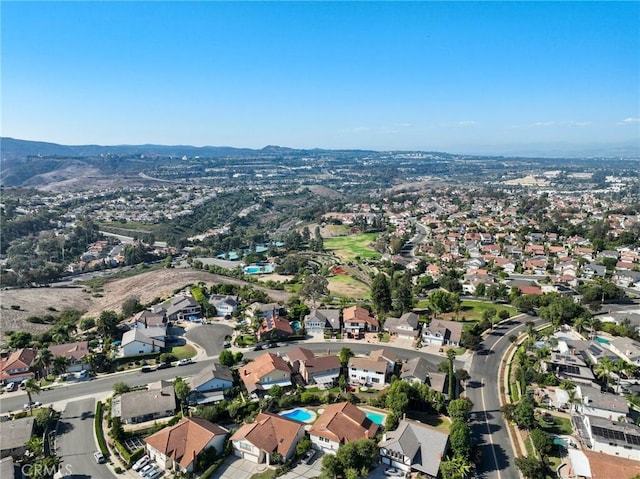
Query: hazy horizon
500, 78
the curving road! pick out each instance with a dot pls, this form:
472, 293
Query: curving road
488, 426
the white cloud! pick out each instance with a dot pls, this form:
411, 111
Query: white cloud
467, 123
631, 120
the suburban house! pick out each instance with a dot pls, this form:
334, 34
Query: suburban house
605, 405
225, 305
138, 341
181, 308
419, 370
625, 278
274, 327
296, 356
338, 424
627, 349
176, 448
264, 372
14, 368
620, 439
147, 318
321, 370
209, 384
156, 402
569, 367
406, 326
320, 320
358, 321
414, 446
15, 435
442, 332
76, 353
368, 372
260, 310
269, 433
387, 356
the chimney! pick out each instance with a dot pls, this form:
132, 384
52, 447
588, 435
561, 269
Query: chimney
404, 416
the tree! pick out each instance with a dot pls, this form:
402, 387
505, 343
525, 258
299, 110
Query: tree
314, 287
303, 446
60, 364
182, 391
35, 445
226, 358
460, 438
345, 355
603, 369
524, 413
130, 306
404, 294
330, 466
480, 290
398, 397
31, 387
455, 468
541, 441
531, 467
276, 391
43, 361
451, 354
381, 294
460, 408
121, 388
442, 301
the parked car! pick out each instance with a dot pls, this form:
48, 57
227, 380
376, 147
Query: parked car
140, 463
258, 347
184, 362
226, 344
309, 455
146, 369
164, 366
99, 457
146, 469
155, 475
32, 404
391, 472
10, 387
152, 472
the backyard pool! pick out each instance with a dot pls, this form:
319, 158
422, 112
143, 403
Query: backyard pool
376, 417
296, 325
602, 340
259, 269
300, 415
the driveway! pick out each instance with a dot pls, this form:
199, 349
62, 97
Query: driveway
306, 471
238, 468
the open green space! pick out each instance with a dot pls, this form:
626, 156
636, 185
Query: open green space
560, 426
183, 352
471, 311
437, 422
348, 248
349, 287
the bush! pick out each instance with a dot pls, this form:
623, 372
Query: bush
102, 443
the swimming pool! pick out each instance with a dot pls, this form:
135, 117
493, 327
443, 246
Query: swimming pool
300, 415
602, 340
253, 269
296, 325
375, 416
259, 269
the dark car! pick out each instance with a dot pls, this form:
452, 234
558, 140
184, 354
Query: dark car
258, 347
272, 345
164, 366
146, 369
308, 457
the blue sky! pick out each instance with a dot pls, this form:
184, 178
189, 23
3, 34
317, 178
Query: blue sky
479, 77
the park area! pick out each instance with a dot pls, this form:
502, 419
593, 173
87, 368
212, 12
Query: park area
353, 247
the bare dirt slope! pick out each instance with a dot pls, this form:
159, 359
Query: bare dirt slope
146, 286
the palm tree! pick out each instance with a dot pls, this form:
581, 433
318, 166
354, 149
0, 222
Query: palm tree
603, 369
43, 361
31, 387
455, 468
60, 364
34, 445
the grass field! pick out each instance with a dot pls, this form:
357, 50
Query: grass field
471, 310
348, 248
343, 285
183, 352
437, 422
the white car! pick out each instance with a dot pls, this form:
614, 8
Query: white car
147, 468
390, 471
184, 362
32, 405
140, 463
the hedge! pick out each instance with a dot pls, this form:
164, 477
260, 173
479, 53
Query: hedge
102, 443
128, 458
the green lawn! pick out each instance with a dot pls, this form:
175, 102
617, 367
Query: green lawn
183, 352
561, 426
471, 311
437, 422
350, 247
349, 287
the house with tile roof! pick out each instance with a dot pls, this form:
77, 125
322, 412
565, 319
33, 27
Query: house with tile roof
339, 424
176, 448
321, 370
387, 356
16, 366
76, 353
414, 446
274, 327
148, 318
264, 372
357, 321
269, 433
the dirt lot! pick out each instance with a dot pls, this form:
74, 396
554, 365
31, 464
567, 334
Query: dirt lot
146, 286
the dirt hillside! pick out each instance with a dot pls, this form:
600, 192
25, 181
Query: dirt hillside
146, 286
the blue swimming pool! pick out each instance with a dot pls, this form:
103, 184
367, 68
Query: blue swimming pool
375, 417
300, 415
602, 340
253, 269
259, 268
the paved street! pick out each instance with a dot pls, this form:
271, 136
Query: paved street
76, 443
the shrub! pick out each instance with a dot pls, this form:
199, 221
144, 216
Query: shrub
102, 444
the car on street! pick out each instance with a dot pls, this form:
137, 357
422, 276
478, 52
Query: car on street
258, 347
32, 404
391, 472
10, 387
146, 469
184, 362
99, 457
308, 456
140, 463
146, 369
226, 344
164, 366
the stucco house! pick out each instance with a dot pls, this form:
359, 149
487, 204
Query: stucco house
209, 384
442, 332
15, 367
269, 433
264, 372
15, 435
76, 353
176, 448
338, 424
367, 372
357, 321
139, 341
156, 402
406, 326
320, 320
